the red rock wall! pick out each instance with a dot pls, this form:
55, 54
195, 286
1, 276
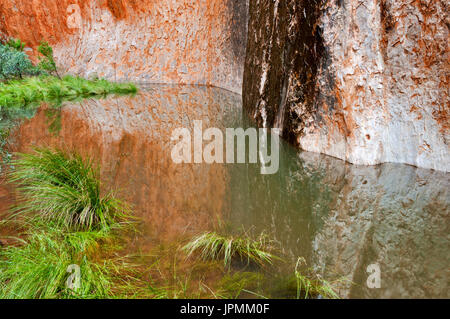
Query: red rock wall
157, 41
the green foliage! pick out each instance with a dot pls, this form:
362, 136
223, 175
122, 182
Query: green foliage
233, 285
13, 63
213, 246
47, 61
33, 90
309, 286
5, 155
15, 44
38, 267
64, 188
53, 116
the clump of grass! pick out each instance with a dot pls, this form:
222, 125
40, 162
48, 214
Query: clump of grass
69, 224
232, 286
39, 267
213, 246
33, 90
312, 286
64, 188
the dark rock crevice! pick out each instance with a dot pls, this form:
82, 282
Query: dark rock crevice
284, 55
239, 19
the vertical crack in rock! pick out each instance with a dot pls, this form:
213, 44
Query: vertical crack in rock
238, 11
285, 51
363, 81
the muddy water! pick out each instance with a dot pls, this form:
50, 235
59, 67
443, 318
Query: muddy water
340, 217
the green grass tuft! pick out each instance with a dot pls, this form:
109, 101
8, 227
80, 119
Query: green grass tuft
39, 267
66, 222
64, 188
312, 286
213, 246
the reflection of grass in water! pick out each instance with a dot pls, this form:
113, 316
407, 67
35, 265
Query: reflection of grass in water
19, 99
5, 156
172, 276
33, 90
301, 283
53, 116
234, 285
64, 188
267, 283
261, 282
8, 122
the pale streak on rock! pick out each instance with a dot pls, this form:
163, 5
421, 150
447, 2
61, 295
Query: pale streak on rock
380, 90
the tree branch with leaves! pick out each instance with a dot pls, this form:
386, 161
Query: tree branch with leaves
46, 61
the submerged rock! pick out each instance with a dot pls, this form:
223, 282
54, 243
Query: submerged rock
364, 81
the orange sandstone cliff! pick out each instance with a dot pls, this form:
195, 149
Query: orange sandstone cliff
363, 81
157, 41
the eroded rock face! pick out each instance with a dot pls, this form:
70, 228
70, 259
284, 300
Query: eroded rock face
156, 41
364, 81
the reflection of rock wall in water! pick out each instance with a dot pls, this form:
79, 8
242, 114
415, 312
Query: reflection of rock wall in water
394, 215
155, 41
342, 217
364, 81
289, 205
131, 138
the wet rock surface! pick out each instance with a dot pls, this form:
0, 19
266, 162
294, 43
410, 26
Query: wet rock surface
364, 81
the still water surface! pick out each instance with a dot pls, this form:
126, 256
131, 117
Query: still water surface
339, 217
